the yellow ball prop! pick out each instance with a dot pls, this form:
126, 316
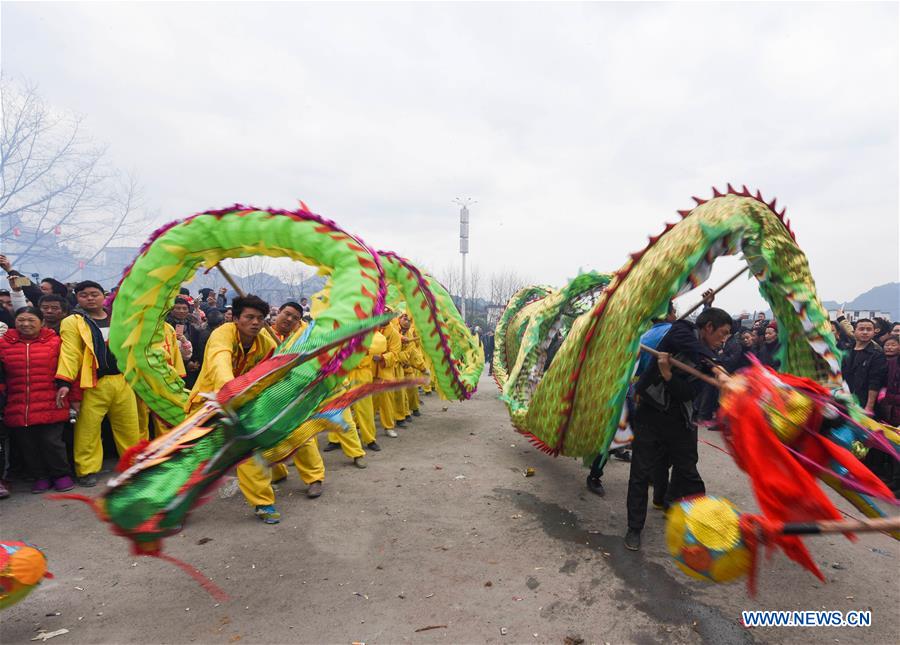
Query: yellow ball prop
22, 567
704, 537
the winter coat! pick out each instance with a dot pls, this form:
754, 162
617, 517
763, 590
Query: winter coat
29, 367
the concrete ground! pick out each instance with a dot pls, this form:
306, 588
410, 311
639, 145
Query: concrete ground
441, 540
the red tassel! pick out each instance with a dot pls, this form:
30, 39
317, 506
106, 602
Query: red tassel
208, 585
129, 456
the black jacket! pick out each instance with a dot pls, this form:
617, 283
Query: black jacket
864, 370
674, 397
197, 338
766, 354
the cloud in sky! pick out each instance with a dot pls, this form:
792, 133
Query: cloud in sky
580, 128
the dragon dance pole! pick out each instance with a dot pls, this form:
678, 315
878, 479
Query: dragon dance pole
715, 291
842, 526
684, 368
227, 276
240, 292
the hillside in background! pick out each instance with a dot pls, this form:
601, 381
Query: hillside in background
885, 297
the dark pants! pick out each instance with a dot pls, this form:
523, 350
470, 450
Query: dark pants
660, 481
43, 450
707, 402
655, 434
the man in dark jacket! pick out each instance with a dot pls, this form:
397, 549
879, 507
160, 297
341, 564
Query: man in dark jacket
663, 419
864, 366
181, 315
489, 351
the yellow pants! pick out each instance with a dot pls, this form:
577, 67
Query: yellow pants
111, 397
401, 407
412, 398
363, 411
255, 482
146, 419
364, 416
384, 402
349, 440
308, 462
254, 479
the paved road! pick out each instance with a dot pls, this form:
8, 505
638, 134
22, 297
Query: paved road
441, 530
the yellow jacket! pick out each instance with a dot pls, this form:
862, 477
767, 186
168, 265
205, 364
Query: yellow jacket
387, 371
365, 371
411, 354
76, 353
225, 359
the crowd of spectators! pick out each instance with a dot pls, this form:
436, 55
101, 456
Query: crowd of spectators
61, 390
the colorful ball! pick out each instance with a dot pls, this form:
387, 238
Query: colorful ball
704, 537
22, 567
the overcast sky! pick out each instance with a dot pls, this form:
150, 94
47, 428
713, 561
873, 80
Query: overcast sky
579, 128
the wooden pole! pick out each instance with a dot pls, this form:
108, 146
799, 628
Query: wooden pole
842, 526
240, 292
684, 368
227, 276
715, 291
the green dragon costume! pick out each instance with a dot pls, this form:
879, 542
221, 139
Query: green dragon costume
283, 401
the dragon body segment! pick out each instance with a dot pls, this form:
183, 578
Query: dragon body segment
575, 406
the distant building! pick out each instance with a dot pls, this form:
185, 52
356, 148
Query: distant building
855, 314
40, 255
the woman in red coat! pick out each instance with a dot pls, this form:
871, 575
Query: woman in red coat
34, 413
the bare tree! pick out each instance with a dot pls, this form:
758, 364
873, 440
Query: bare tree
297, 278
503, 285
253, 272
473, 290
120, 223
56, 189
450, 278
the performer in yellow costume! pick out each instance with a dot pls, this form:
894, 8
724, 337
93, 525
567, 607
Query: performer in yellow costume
85, 354
170, 346
386, 370
234, 349
308, 459
413, 362
364, 409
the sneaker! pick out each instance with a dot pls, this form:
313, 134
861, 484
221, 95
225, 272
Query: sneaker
408, 418
401, 423
622, 455
331, 446
416, 413
391, 433
4, 492
373, 447
64, 483
360, 462
40, 486
633, 540
428, 393
88, 481
314, 490
595, 486
268, 514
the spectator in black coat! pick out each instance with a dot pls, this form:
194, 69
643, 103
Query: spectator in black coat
864, 367
767, 353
